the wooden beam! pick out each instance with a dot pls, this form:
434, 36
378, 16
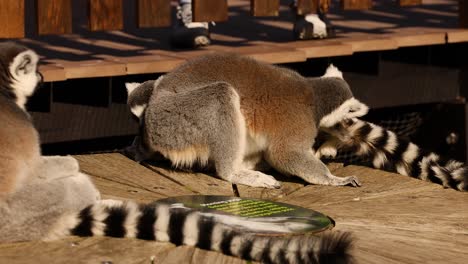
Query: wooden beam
264, 7
209, 10
409, 2
154, 13
54, 17
356, 4
11, 19
463, 13
105, 15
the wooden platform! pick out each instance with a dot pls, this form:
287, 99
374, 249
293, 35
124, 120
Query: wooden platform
137, 51
395, 219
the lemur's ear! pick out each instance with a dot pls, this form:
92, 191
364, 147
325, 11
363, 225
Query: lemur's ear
131, 87
333, 71
24, 63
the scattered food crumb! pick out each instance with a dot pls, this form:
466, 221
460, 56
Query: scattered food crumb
357, 199
74, 244
152, 258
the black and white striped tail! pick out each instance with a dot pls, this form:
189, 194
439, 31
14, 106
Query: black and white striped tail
182, 226
384, 150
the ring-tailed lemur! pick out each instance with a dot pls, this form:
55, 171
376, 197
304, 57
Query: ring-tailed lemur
48, 198
235, 111
384, 150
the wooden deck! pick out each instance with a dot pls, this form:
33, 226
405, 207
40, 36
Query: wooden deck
137, 51
395, 219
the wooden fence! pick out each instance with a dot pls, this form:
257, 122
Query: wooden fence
55, 16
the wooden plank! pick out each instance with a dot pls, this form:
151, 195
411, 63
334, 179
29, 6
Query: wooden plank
307, 6
52, 73
105, 15
260, 8
266, 53
209, 10
419, 38
412, 217
196, 182
463, 13
457, 35
54, 16
123, 171
157, 63
85, 250
364, 42
356, 4
11, 19
154, 13
409, 2
90, 68
205, 256
321, 48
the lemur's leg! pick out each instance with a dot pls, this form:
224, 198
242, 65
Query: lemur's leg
227, 147
301, 162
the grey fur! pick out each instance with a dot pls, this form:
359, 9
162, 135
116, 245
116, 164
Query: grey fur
34, 190
227, 106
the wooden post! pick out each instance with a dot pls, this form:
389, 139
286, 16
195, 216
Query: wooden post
356, 4
105, 15
54, 16
463, 13
264, 7
11, 18
154, 13
307, 6
209, 10
409, 2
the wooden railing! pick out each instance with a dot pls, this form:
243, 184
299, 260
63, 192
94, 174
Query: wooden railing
55, 16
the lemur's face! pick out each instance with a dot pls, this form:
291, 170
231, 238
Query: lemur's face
19, 73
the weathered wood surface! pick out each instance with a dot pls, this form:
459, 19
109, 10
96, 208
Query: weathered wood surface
105, 14
264, 7
54, 16
356, 4
209, 10
154, 13
394, 219
11, 19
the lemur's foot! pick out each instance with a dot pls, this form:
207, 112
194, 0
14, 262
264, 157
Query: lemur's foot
255, 179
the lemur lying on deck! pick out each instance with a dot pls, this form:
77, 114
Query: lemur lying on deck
236, 112
48, 198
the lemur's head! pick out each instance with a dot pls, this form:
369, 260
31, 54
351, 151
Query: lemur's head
139, 95
19, 74
334, 101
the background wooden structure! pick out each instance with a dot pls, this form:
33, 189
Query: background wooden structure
56, 16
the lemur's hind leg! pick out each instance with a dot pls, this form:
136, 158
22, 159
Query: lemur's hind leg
299, 160
227, 146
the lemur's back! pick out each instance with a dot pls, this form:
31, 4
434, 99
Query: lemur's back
273, 93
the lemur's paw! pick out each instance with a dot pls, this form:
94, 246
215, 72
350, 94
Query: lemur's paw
328, 152
255, 179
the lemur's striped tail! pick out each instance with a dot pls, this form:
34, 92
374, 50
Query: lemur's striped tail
384, 150
182, 226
